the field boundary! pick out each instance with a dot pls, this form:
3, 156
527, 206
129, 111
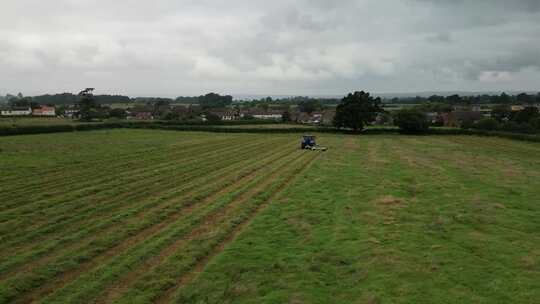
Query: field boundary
218, 128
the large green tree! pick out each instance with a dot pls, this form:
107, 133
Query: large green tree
356, 110
411, 121
88, 107
213, 100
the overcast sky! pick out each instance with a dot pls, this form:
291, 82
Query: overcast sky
318, 47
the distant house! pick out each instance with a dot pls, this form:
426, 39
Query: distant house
225, 114
432, 117
16, 111
328, 117
256, 113
316, 118
517, 108
458, 118
44, 111
71, 112
141, 112
140, 115
303, 118
270, 114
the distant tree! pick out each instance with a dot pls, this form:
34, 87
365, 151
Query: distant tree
356, 110
526, 115
118, 113
454, 99
504, 99
487, 124
435, 99
501, 112
213, 100
535, 123
525, 98
286, 116
61, 110
264, 106
88, 108
309, 106
411, 121
161, 107
212, 118
512, 126
188, 100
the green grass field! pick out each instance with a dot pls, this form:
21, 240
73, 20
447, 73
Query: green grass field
140, 216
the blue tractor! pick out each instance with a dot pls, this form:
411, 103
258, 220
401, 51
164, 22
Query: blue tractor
308, 142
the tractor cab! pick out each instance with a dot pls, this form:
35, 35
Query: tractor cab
308, 141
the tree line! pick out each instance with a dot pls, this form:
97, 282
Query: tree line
456, 99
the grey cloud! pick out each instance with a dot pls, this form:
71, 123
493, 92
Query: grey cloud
171, 47
440, 38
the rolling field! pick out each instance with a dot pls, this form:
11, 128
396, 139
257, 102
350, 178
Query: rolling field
139, 216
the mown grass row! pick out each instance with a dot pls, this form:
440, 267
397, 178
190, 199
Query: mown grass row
102, 158
164, 282
94, 248
392, 219
208, 206
155, 178
69, 152
103, 217
229, 204
105, 175
469, 225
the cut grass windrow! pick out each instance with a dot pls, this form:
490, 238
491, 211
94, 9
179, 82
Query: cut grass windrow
160, 180
165, 230
115, 218
205, 248
139, 229
167, 237
88, 186
78, 172
101, 187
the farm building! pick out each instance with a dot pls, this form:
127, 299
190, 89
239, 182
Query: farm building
226, 114
44, 111
268, 114
458, 118
16, 111
71, 112
328, 117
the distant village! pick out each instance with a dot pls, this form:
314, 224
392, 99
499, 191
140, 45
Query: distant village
221, 108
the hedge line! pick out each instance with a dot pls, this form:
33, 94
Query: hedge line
21, 130
218, 123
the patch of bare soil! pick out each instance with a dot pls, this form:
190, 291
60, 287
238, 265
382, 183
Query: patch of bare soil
390, 200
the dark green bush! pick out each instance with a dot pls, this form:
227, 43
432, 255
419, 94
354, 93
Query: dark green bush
535, 124
487, 124
411, 121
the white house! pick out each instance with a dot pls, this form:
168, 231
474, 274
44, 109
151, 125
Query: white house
16, 111
261, 114
268, 116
